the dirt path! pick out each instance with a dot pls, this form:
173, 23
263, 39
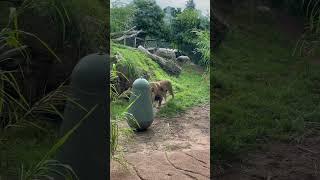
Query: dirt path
278, 161
172, 148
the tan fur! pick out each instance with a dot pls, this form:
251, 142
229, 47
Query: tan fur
159, 90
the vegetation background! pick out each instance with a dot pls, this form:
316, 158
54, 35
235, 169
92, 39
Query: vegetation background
40, 42
177, 27
187, 30
264, 80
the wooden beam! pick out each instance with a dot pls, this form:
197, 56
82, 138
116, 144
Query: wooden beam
128, 36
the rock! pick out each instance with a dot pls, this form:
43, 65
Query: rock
200, 155
165, 53
119, 172
183, 59
166, 64
189, 163
159, 165
178, 53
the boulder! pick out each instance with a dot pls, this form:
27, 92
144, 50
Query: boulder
165, 53
169, 65
183, 59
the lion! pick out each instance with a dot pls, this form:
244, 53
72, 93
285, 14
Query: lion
159, 90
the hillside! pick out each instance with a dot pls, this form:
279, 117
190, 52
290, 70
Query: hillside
191, 88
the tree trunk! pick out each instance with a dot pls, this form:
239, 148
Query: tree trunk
167, 65
219, 31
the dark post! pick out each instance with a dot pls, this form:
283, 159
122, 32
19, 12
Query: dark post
87, 150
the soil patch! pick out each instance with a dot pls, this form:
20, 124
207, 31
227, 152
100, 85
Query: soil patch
278, 160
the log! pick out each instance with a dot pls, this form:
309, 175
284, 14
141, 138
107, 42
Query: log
168, 65
123, 32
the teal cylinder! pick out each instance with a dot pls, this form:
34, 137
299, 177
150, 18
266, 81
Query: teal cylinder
87, 149
140, 112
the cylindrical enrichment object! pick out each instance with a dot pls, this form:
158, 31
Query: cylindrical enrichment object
87, 149
141, 105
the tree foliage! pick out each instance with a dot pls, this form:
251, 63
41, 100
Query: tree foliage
171, 24
190, 4
183, 29
148, 17
183, 25
121, 17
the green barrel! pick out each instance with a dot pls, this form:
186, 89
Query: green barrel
87, 149
141, 105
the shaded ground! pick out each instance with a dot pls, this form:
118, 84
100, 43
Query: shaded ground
294, 159
279, 160
175, 148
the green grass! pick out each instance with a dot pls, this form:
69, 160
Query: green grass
140, 61
261, 91
117, 108
25, 146
76, 19
190, 88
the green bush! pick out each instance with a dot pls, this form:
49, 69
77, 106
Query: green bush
203, 47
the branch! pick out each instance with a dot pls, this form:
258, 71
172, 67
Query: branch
128, 36
122, 32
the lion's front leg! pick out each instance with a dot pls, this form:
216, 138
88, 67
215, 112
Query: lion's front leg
160, 101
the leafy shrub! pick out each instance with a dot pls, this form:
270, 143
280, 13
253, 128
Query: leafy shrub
203, 46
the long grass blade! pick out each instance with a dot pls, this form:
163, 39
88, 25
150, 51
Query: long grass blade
67, 135
57, 145
42, 42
